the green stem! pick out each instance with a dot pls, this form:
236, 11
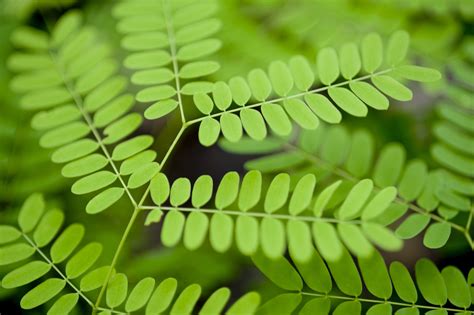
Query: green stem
253, 214
46, 258
116, 257
298, 95
347, 298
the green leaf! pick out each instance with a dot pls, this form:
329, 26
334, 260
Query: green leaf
403, 283
198, 49
356, 199
8, 234
277, 193
104, 93
93, 182
231, 127
253, 123
42, 293
302, 72
122, 128
430, 282
131, 147
240, 90
327, 241
299, 240
55, 117
437, 235
104, 200
162, 296
221, 232
209, 131
198, 69
195, 230
259, 84
180, 191
250, 191
47, 228
316, 306
345, 274
186, 301
375, 275
350, 61
284, 303
324, 197
45, 98
227, 191
83, 260
380, 309
14, 253
280, 77
382, 200
172, 228
66, 242
64, 134
382, 237
301, 114
369, 95
74, 150
64, 304
416, 73
350, 307
31, 212
315, 273
413, 180
372, 52
159, 188
392, 88
30, 38
152, 77
154, 216
360, 159
389, 165
116, 290
302, 194
247, 304
354, 239
222, 95
202, 191
140, 294
327, 65
156, 93
143, 175
25, 274
397, 47
113, 110
279, 271
203, 102
323, 108
272, 237
347, 101
216, 302
412, 226
95, 279
246, 235
84, 166
457, 287
277, 119
147, 59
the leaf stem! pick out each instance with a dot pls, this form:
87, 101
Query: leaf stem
348, 298
280, 99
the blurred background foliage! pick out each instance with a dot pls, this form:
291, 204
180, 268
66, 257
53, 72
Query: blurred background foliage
254, 32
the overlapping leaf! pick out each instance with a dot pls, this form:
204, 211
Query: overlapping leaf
71, 78
288, 92
292, 217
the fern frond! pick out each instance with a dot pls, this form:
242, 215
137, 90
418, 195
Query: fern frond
314, 281
72, 79
167, 41
351, 156
288, 94
39, 229
291, 217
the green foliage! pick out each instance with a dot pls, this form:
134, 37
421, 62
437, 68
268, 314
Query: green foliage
334, 152
72, 265
327, 197
387, 285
